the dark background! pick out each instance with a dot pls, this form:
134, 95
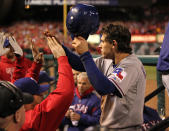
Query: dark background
14, 10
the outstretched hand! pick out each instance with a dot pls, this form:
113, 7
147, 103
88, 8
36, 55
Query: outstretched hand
55, 47
37, 56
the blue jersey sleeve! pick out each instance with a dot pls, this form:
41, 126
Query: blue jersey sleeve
74, 60
163, 60
100, 82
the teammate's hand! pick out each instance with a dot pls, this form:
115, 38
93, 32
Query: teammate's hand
68, 113
55, 47
37, 56
74, 116
80, 45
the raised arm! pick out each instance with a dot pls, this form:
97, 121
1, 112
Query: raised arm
33, 71
37, 63
100, 82
11, 44
74, 60
48, 115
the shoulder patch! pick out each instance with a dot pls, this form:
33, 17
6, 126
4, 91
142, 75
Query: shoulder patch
119, 74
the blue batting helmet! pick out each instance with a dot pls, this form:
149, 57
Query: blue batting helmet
82, 20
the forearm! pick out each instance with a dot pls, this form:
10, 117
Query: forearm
74, 60
100, 82
48, 115
19, 71
58, 102
34, 71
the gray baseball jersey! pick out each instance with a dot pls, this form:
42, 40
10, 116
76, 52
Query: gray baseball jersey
130, 79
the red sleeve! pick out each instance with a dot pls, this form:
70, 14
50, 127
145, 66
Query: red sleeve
48, 115
34, 71
19, 71
1, 75
27, 63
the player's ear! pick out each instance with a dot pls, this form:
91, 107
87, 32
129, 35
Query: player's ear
18, 116
114, 43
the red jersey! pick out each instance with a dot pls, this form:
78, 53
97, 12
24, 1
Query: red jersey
48, 115
7, 68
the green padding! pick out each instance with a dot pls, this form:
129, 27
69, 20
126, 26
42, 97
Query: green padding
50, 57
144, 59
150, 63
149, 60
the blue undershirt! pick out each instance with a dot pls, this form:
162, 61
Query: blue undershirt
85, 63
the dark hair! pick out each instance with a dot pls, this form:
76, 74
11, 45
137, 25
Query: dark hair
119, 33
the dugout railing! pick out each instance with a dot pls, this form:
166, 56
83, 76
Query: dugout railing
160, 92
151, 61
50, 67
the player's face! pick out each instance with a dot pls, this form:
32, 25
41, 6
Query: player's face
83, 84
75, 74
107, 50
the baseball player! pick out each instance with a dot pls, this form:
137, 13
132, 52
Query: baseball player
163, 60
118, 75
47, 115
121, 85
8, 49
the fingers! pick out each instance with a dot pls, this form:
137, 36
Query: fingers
48, 34
56, 41
77, 41
41, 55
32, 44
39, 58
35, 50
74, 116
52, 43
49, 42
55, 47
